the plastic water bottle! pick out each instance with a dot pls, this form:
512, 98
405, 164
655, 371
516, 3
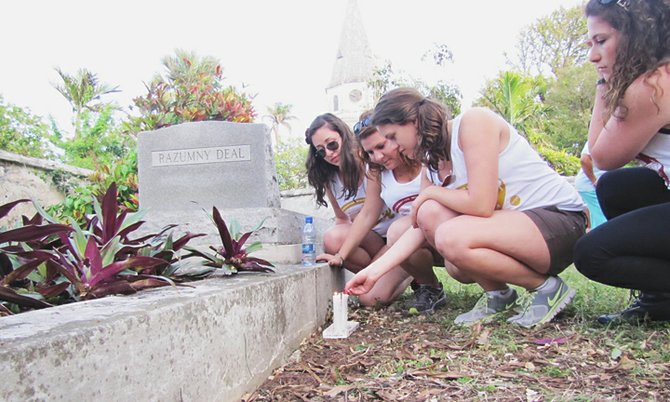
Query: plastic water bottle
308, 242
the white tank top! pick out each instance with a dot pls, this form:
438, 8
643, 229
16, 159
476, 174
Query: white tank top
352, 206
656, 155
525, 180
399, 196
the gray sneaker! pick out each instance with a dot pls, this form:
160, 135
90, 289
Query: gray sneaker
427, 298
486, 308
544, 306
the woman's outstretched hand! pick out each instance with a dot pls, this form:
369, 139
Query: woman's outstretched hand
361, 283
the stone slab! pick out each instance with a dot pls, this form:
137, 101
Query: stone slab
215, 341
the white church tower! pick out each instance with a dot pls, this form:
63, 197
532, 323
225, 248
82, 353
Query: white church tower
348, 93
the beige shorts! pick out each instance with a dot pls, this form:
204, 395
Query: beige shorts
561, 230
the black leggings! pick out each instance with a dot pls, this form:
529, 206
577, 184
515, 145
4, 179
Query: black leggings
632, 249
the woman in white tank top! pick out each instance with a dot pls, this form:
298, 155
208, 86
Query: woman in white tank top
499, 214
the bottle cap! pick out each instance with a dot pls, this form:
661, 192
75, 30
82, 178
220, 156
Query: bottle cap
308, 219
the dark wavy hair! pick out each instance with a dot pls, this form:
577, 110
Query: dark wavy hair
644, 44
372, 166
320, 173
407, 105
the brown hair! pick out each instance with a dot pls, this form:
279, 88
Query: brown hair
644, 44
375, 167
320, 173
407, 105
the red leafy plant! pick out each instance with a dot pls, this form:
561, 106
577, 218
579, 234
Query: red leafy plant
63, 263
232, 256
21, 255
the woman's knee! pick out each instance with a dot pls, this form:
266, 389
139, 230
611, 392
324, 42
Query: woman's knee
334, 237
428, 218
586, 258
397, 229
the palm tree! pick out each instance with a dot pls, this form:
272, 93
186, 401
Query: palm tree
82, 90
187, 68
279, 115
516, 97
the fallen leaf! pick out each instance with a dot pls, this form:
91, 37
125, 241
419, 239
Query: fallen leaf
335, 391
547, 341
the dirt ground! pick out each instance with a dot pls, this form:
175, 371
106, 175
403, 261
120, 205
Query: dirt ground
395, 357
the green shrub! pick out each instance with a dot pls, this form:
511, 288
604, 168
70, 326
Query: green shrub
191, 90
290, 160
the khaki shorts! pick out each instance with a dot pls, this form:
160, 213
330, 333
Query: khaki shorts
561, 230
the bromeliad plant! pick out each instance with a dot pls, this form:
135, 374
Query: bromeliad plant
232, 256
23, 251
41, 264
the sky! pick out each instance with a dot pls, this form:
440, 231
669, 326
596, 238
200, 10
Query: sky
278, 51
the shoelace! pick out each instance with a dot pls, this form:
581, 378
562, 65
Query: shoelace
524, 301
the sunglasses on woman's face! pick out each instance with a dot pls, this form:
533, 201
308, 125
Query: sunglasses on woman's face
621, 3
332, 146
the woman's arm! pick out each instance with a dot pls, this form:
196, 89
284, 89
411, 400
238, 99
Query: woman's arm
402, 249
647, 100
340, 216
366, 219
482, 135
587, 168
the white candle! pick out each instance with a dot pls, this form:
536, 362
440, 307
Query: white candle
340, 312
341, 327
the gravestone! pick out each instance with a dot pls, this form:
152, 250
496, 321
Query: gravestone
186, 169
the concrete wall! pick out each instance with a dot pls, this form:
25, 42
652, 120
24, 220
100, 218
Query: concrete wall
213, 341
25, 177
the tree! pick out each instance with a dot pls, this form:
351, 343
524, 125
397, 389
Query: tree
83, 91
385, 78
100, 141
279, 114
521, 101
569, 101
192, 89
290, 160
516, 97
552, 43
22, 132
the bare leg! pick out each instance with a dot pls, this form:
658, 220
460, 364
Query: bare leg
420, 263
504, 248
362, 255
430, 216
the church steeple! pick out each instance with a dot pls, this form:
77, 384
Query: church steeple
354, 60
348, 93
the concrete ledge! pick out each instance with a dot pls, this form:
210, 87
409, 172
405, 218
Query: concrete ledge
211, 342
43, 164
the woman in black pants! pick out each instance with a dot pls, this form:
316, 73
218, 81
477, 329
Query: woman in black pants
632, 250
630, 46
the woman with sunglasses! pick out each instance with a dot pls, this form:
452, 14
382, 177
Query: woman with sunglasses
497, 212
337, 173
630, 46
